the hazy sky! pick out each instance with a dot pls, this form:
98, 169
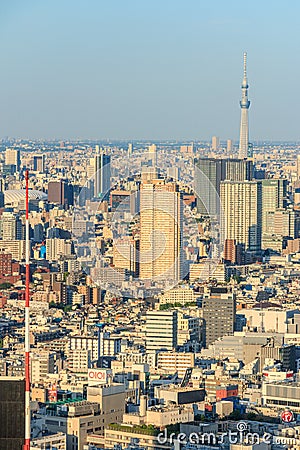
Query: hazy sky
148, 69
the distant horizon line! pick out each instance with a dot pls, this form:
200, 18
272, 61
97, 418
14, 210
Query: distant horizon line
185, 141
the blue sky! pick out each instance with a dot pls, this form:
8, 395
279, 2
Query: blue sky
141, 69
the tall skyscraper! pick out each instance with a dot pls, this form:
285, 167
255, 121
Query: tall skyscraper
245, 104
209, 176
161, 220
101, 174
12, 158
242, 205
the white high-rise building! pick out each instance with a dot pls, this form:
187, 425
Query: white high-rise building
245, 104
242, 207
161, 330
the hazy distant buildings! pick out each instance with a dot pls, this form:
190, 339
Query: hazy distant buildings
215, 143
245, 104
229, 146
39, 163
187, 148
161, 216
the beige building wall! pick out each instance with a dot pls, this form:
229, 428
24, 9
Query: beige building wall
161, 230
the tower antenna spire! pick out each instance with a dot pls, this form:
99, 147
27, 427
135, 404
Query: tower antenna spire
245, 64
244, 126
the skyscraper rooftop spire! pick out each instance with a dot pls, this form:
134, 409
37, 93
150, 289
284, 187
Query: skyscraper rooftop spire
245, 104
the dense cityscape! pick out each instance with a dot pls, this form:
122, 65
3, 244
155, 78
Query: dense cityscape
149, 289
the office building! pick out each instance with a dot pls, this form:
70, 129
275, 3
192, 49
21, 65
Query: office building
55, 248
60, 192
274, 196
161, 330
218, 307
11, 227
178, 296
281, 395
242, 205
209, 172
237, 169
208, 175
39, 163
125, 254
79, 419
161, 216
42, 364
12, 413
172, 362
123, 201
12, 158
245, 104
17, 248
102, 174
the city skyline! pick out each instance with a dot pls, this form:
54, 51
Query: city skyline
146, 71
149, 245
